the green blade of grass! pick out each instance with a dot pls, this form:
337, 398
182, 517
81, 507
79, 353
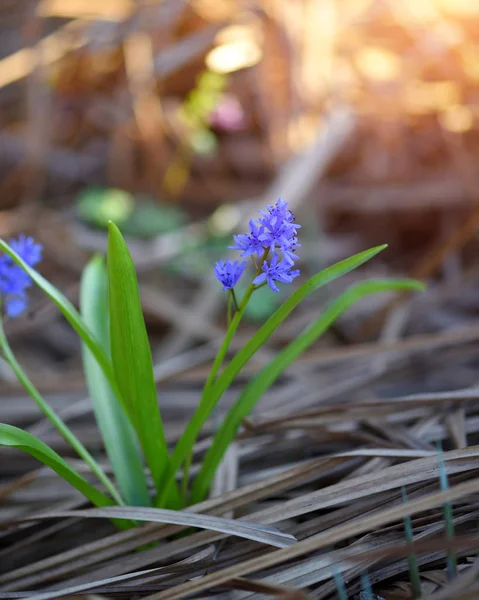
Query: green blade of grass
414, 574
447, 512
131, 356
268, 375
118, 435
340, 585
61, 427
71, 315
366, 588
17, 438
222, 383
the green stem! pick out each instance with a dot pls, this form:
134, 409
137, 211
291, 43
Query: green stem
232, 327
230, 297
68, 435
233, 294
219, 358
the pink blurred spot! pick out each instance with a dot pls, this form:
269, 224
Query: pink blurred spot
228, 114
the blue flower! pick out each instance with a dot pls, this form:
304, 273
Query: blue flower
289, 250
279, 231
250, 243
274, 230
15, 305
280, 209
273, 238
276, 271
228, 272
13, 280
28, 249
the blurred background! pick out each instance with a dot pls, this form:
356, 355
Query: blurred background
180, 119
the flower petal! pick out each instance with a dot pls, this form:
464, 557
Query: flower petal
272, 285
261, 278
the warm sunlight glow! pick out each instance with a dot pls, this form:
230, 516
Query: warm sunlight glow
378, 63
115, 10
459, 7
234, 56
214, 10
450, 33
236, 33
50, 49
458, 118
422, 97
419, 11
238, 47
470, 60
302, 132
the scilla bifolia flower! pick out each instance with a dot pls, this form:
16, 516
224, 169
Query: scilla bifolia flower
13, 280
271, 243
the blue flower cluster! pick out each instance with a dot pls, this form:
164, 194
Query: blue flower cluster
273, 233
13, 280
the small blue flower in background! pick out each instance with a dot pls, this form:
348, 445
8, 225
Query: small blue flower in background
15, 305
276, 271
228, 272
272, 233
13, 280
27, 248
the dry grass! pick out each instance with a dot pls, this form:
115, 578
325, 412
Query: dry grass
331, 476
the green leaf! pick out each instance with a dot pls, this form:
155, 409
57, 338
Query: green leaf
71, 315
150, 219
268, 375
222, 383
131, 355
118, 435
203, 141
17, 438
97, 206
61, 427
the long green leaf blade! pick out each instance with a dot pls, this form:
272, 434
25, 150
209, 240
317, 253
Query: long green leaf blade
118, 435
131, 355
17, 438
56, 421
268, 375
216, 391
70, 313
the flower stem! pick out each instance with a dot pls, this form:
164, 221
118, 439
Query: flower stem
228, 337
233, 294
230, 297
232, 327
220, 356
